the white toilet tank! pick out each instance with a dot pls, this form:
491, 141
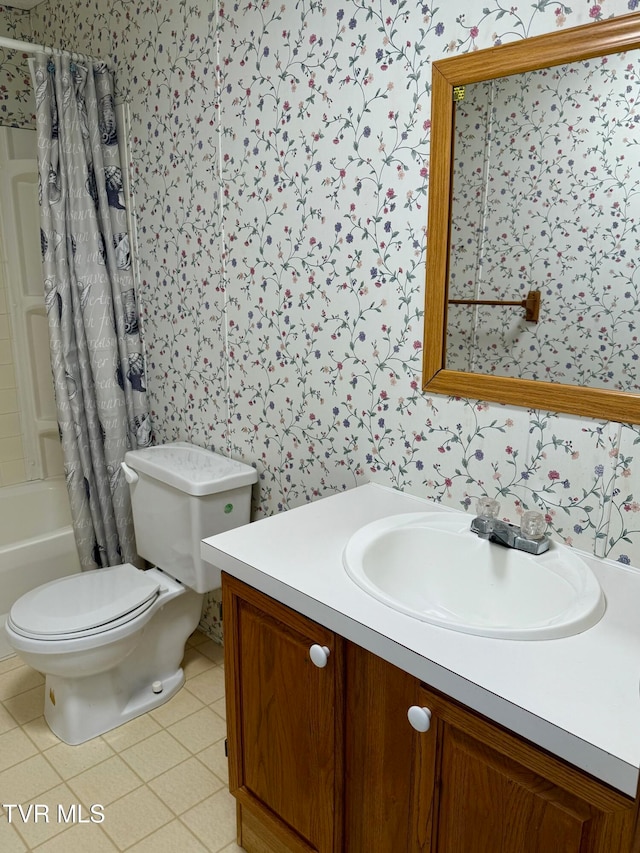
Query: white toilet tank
180, 494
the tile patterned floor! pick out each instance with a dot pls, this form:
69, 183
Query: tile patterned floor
161, 779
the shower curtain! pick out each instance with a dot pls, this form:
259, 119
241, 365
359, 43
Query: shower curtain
96, 351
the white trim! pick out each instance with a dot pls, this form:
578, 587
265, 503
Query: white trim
28, 47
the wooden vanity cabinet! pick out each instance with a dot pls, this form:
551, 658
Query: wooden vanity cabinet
324, 758
379, 754
480, 789
284, 723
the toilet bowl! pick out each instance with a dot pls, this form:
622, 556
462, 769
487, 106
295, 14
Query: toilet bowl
99, 676
111, 641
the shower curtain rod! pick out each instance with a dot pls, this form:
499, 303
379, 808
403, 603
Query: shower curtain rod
28, 47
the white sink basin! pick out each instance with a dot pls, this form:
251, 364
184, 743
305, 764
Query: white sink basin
431, 567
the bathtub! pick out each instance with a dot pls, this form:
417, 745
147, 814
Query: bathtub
36, 541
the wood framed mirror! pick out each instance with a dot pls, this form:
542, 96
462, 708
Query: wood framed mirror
585, 43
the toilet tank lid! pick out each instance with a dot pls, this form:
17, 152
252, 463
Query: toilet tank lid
190, 468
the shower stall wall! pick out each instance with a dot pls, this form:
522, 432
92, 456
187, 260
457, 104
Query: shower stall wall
33, 449
37, 544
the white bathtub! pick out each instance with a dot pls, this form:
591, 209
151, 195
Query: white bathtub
36, 541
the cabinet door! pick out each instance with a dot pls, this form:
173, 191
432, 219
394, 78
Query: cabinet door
284, 722
380, 745
480, 789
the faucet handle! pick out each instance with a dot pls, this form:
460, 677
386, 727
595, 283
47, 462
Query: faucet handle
533, 524
487, 507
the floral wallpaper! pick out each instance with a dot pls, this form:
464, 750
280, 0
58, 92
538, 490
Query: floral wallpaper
546, 193
17, 104
280, 156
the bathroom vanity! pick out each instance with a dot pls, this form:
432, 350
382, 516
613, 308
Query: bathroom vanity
528, 745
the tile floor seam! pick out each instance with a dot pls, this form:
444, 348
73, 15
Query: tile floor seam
4, 768
142, 784
166, 726
176, 741
44, 844
80, 797
195, 756
176, 819
139, 840
86, 804
59, 781
120, 750
57, 770
21, 837
205, 765
191, 832
176, 815
184, 719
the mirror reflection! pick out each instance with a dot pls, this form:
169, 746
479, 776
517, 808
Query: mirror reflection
546, 197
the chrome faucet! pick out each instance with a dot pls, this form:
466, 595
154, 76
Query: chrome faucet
529, 536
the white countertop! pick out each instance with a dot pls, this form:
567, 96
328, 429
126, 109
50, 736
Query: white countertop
576, 697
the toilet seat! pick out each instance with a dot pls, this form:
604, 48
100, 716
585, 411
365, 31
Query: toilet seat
84, 604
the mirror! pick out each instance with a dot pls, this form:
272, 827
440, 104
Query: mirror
532, 180
545, 197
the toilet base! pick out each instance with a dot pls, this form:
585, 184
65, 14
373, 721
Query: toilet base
78, 710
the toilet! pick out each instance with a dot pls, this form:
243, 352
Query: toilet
111, 641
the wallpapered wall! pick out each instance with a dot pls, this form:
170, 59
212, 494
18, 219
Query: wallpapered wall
281, 177
546, 197
16, 96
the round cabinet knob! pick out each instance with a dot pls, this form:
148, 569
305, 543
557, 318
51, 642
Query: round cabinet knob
420, 718
319, 655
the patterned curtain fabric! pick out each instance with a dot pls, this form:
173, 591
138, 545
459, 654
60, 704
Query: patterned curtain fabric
96, 350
